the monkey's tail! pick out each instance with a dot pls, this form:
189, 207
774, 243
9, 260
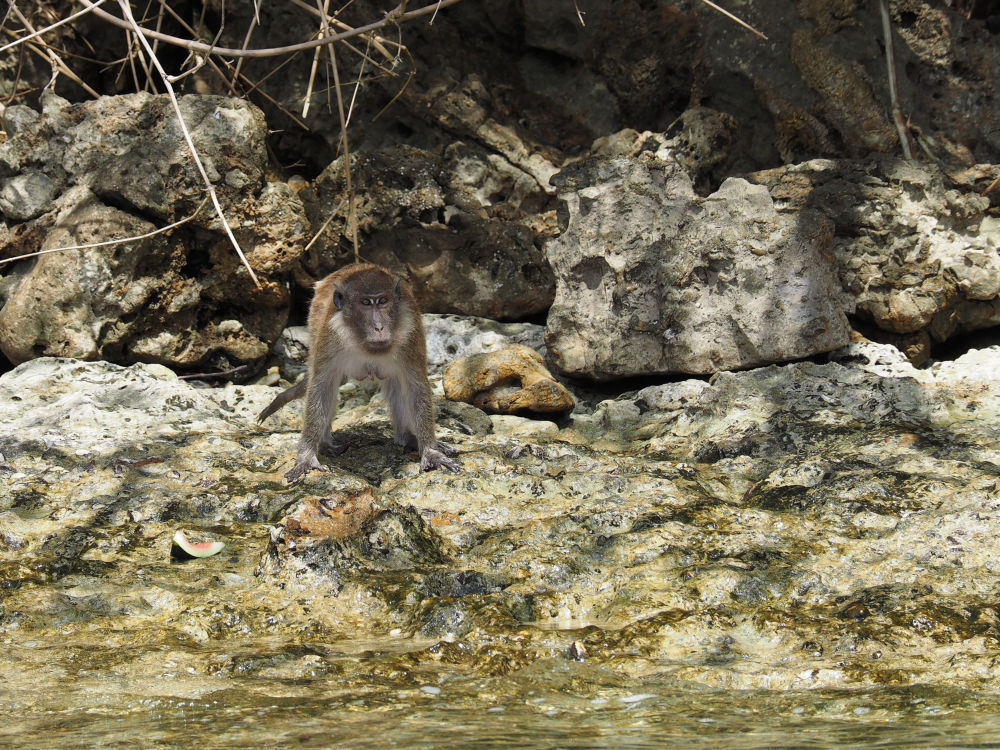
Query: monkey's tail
289, 394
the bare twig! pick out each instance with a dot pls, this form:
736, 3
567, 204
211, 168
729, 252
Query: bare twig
105, 243
357, 85
254, 22
402, 89
212, 375
127, 12
436, 9
352, 219
307, 99
159, 27
890, 64
270, 51
67, 19
393, 15
732, 17
331, 217
374, 38
208, 60
49, 54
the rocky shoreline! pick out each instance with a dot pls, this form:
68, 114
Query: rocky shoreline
798, 526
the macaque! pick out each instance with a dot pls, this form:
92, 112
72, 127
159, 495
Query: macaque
364, 323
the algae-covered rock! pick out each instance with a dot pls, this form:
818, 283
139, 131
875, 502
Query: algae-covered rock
800, 526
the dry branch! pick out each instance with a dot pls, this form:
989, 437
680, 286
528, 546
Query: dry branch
127, 12
890, 64
207, 49
51, 26
106, 243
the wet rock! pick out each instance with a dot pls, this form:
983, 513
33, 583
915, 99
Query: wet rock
506, 381
119, 167
773, 527
916, 255
684, 284
316, 519
327, 540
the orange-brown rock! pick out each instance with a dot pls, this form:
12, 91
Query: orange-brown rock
506, 381
336, 517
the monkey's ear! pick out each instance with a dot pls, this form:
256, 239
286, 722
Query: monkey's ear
338, 300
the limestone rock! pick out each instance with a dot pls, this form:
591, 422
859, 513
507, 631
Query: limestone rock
452, 336
490, 269
653, 280
916, 254
437, 221
506, 381
712, 527
119, 167
26, 196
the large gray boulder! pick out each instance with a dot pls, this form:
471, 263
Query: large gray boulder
653, 280
916, 249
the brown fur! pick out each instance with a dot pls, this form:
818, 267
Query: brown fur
374, 332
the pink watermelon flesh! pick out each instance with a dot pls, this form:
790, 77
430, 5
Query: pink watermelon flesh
197, 549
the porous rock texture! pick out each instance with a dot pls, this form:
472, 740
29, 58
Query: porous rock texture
507, 381
652, 279
795, 527
119, 167
917, 250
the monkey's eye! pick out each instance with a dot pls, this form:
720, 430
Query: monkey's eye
365, 301
382, 301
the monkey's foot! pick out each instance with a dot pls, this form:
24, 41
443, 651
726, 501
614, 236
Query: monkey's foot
303, 465
436, 459
447, 448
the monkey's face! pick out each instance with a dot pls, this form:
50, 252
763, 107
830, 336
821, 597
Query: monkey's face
370, 317
378, 318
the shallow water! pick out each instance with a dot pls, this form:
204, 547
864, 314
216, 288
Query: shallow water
552, 703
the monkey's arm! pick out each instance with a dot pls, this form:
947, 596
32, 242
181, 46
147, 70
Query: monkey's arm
289, 394
321, 406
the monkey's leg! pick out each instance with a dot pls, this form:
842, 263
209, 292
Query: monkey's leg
413, 421
330, 448
409, 440
446, 448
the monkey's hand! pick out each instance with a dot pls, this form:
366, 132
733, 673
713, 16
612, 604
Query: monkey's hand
436, 458
306, 463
